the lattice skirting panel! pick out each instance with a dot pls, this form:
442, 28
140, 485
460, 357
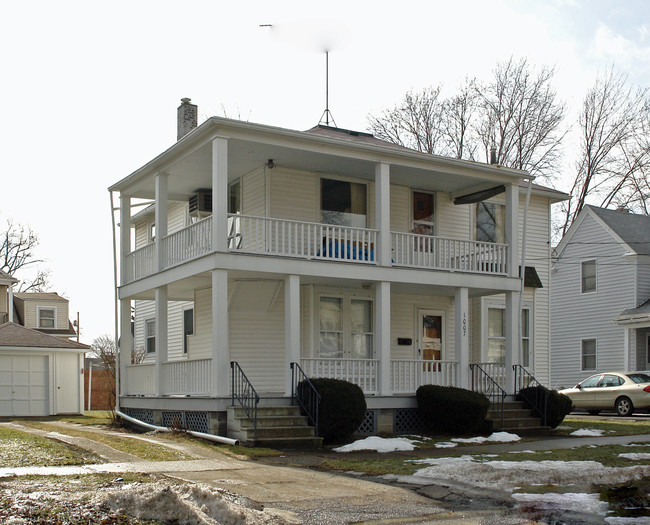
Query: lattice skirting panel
369, 425
196, 421
407, 421
142, 414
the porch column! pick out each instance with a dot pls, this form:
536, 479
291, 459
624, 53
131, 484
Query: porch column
382, 335
161, 337
126, 345
512, 228
125, 237
461, 303
161, 210
219, 194
382, 213
291, 325
10, 302
220, 372
512, 322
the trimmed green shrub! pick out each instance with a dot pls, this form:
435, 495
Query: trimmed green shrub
342, 408
557, 406
452, 410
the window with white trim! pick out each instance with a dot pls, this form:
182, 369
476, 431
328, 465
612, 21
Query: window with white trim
345, 328
424, 213
150, 335
588, 354
526, 347
188, 327
46, 317
496, 335
343, 203
588, 276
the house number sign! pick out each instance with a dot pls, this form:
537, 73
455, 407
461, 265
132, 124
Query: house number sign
464, 324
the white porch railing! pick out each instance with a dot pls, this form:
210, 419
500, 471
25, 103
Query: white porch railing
187, 377
407, 375
361, 372
440, 253
496, 371
140, 380
140, 262
307, 240
188, 243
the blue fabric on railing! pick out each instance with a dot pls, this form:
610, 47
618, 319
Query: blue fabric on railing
340, 250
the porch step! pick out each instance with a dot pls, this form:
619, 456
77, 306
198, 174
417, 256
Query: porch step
517, 418
277, 427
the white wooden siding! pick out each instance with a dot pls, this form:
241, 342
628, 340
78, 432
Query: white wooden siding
294, 195
400, 220
642, 279
254, 193
577, 316
145, 310
31, 307
453, 220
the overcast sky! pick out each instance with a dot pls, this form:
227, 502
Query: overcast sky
89, 89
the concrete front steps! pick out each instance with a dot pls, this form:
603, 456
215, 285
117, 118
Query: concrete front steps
277, 427
517, 419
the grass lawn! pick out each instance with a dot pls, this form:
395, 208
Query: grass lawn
619, 427
20, 449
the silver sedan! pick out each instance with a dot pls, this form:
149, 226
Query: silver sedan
624, 392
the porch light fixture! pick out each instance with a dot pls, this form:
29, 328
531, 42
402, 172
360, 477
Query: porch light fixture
270, 164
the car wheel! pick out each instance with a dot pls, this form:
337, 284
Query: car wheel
624, 406
593, 412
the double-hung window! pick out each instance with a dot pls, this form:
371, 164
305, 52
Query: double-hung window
496, 335
343, 203
423, 213
150, 335
588, 276
331, 327
188, 327
588, 354
46, 318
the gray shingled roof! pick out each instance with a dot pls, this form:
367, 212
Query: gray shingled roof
643, 309
15, 335
633, 228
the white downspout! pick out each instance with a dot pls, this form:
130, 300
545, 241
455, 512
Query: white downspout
202, 435
117, 338
523, 266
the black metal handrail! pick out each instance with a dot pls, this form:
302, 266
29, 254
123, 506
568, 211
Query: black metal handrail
244, 392
538, 398
486, 385
308, 398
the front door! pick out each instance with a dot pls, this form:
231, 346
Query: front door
429, 338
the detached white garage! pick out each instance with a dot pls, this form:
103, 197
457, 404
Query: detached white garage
40, 375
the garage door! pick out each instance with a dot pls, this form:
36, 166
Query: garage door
23, 385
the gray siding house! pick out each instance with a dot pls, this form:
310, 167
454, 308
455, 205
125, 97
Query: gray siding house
600, 311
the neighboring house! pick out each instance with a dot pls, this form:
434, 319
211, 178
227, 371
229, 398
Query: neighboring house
601, 287
40, 374
46, 312
6, 297
352, 257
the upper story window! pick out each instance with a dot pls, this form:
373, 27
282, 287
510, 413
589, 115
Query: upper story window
46, 318
490, 222
343, 203
152, 232
424, 213
588, 276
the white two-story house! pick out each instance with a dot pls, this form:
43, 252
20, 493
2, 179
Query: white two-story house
351, 257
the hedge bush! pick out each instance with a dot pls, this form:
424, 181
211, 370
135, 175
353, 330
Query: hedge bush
453, 410
342, 408
557, 406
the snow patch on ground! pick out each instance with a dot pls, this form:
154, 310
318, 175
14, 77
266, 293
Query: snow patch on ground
496, 437
511, 474
635, 455
587, 503
522, 452
379, 444
588, 432
446, 444
191, 504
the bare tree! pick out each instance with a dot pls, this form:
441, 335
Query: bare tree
104, 348
614, 156
518, 112
17, 252
522, 117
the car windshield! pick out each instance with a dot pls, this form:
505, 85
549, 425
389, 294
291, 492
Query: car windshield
639, 378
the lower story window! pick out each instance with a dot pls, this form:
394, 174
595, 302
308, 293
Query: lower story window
150, 335
526, 357
497, 336
345, 328
589, 354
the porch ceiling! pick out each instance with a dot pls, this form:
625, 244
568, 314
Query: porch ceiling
190, 164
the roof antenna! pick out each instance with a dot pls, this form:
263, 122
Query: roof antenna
326, 117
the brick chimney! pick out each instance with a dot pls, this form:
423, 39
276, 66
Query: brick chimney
187, 117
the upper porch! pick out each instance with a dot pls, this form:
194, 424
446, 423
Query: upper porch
329, 195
